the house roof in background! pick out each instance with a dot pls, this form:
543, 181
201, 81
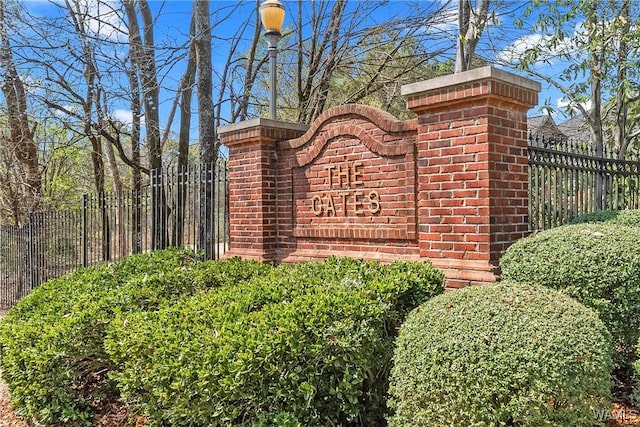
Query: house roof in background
544, 127
576, 128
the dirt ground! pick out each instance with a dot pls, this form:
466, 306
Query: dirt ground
113, 416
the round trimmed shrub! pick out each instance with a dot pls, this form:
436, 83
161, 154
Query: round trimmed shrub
598, 264
623, 217
501, 354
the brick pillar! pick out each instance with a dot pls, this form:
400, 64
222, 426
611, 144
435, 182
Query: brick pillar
253, 185
472, 169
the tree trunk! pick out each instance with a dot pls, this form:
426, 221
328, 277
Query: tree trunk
186, 94
21, 135
621, 131
208, 146
471, 24
142, 53
596, 57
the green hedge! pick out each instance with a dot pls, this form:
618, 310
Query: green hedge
624, 217
286, 346
598, 264
52, 352
501, 355
309, 344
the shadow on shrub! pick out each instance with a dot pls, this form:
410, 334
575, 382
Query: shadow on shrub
212, 343
502, 354
598, 264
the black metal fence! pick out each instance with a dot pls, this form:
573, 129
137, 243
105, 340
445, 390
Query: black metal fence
186, 207
189, 207
569, 178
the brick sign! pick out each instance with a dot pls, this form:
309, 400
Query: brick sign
355, 187
449, 186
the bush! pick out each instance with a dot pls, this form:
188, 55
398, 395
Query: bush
598, 264
309, 344
321, 330
501, 354
624, 217
52, 343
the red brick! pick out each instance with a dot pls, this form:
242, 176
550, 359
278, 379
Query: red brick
457, 175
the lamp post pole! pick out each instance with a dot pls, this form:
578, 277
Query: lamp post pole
272, 16
273, 37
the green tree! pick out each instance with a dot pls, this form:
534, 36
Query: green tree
598, 46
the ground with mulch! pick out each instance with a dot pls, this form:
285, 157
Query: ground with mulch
113, 415
622, 414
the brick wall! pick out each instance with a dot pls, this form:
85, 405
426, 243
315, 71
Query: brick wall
450, 186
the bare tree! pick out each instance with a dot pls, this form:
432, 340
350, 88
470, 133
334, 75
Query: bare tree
204, 80
20, 142
341, 56
142, 47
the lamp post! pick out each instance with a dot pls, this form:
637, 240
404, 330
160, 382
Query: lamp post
272, 15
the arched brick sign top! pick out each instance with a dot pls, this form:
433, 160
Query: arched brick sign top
352, 176
378, 130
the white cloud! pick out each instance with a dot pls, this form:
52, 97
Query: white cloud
515, 51
124, 116
563, 103
61, 114
103, 18
550, 49
447, 21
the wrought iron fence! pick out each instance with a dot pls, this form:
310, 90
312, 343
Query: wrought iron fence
569, 178
180, 207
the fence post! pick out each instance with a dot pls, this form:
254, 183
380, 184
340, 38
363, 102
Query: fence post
136, 227
85, 247
206, 211
601, 190
31, 271
106, 238
154, 221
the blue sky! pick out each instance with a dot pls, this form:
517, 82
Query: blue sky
173, 19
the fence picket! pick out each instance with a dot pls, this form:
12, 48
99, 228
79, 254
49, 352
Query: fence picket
568, 179
109, 226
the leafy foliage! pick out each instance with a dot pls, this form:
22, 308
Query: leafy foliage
284, 346
308, 345
501, 354
624, 217
51, 344
598, 264
597, 43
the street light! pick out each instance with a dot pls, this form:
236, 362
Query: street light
272, 15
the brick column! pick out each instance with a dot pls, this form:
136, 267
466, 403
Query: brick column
472, 169
253, 185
